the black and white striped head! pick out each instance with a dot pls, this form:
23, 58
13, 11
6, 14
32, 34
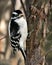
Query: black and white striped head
16, 14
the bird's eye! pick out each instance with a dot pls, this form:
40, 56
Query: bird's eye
14, 15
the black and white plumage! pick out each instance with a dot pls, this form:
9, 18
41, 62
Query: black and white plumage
18, 31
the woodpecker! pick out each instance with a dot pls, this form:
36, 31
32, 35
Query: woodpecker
18, 31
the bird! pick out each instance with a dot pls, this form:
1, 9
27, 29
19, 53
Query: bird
18, 31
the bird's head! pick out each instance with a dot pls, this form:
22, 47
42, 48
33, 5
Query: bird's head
16, 14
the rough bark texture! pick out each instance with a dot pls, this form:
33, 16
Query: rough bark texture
37, 25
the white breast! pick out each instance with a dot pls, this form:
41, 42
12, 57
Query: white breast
23, 30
